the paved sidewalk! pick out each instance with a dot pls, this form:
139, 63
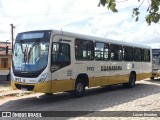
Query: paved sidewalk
6, 90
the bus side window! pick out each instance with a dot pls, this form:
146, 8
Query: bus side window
146, 55
101, 51
84, 50
127, 53
116, 52
138, 54
60, 56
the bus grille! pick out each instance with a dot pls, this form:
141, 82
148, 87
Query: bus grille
28, 87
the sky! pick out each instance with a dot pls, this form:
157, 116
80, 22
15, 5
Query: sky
78, 16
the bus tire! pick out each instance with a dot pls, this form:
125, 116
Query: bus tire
152, 78
131, 83
79, 89
48, 94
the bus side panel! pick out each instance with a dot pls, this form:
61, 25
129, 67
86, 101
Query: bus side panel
62, 80
107, 80
100, 76
62, 85
142, 76
94, 81
146, 71
103, 77
115, 74
127, 68
110, 80
44, 87
138, 68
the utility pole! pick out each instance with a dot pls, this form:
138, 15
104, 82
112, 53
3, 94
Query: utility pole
12, 35
6, 47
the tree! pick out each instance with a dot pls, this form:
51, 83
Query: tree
153, 12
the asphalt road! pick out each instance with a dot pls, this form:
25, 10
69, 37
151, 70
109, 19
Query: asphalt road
144, 97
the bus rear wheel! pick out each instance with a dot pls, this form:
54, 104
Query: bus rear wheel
152, 78
79, 89
48, 94
131, 83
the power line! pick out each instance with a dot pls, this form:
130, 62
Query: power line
80, 12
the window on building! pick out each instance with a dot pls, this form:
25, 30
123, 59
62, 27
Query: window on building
4, 62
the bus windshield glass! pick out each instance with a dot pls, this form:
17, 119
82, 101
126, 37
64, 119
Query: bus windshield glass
30, 56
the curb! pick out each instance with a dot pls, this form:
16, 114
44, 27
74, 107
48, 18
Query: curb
6, 90
9, 92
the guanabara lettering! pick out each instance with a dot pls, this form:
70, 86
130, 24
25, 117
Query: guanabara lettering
110, 68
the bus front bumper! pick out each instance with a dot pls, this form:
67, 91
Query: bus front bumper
44, 87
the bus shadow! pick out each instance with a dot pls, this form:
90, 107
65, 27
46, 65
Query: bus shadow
95, 99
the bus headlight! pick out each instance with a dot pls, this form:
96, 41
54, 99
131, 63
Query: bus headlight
42, 78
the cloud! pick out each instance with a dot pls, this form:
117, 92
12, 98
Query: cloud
80, 16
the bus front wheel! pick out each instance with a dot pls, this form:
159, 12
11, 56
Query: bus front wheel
79, 89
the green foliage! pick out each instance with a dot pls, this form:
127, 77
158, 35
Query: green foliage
136, 13
111, 4
153, 11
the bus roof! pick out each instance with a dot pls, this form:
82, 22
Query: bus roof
88, 37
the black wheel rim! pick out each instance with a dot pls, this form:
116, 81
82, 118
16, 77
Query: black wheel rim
79, 87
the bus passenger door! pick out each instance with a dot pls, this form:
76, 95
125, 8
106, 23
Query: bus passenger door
61, 67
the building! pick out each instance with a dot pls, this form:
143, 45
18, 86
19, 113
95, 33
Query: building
3, 46
5, 60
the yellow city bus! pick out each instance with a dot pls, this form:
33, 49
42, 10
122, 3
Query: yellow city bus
50, 61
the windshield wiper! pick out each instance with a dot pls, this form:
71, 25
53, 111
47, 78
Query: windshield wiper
26, 53
31, 48
23, 51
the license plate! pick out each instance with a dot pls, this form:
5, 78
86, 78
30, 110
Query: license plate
17, 79
24, 89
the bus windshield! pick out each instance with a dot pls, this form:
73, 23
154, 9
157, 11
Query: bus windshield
30, 56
